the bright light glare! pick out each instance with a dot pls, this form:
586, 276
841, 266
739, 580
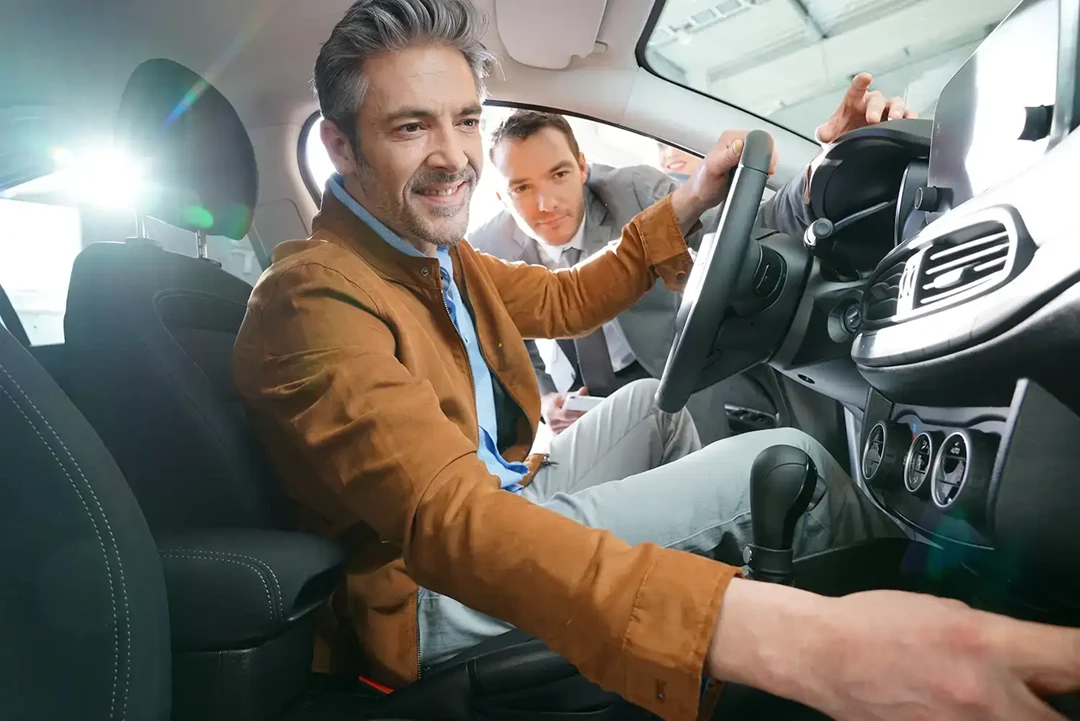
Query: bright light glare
63, 157
103, 177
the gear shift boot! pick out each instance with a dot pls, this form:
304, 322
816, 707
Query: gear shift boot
782, 482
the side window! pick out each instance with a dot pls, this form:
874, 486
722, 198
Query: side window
315, 165
38, 245
600, 142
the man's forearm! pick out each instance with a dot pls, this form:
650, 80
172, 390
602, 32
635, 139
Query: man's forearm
761, 631
688, 207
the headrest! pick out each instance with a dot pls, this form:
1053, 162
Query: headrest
200, 169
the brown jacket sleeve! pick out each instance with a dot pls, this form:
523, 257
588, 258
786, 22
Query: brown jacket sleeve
569, 303
636, 620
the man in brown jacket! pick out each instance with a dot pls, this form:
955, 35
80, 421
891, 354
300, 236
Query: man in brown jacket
384, 367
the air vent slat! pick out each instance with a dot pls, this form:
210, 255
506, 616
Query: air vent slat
966, 259
997, 262
963, 247
960, 266
943, 296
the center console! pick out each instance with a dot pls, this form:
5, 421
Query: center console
970, 328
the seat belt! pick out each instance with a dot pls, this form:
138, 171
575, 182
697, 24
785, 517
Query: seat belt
11, 320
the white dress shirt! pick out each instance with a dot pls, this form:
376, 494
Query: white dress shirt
618, 346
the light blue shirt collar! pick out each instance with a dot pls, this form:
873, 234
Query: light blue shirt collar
336, 185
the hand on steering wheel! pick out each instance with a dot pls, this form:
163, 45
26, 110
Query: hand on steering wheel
720, 261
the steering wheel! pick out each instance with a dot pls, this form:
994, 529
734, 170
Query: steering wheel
721, 263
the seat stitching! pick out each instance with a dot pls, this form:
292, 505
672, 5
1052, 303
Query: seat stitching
112, 541
195, 555
257, 561
97, 534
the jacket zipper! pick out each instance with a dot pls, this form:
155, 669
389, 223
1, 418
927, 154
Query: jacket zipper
476, 408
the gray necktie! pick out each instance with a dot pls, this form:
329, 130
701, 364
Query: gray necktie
594, 360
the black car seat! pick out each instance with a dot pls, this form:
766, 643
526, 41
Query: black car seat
84, 628
148, 338
149, 335
152, 331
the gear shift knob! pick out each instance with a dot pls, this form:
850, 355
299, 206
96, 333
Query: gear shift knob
782, 482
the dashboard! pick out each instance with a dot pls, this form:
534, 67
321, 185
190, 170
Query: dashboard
968, 329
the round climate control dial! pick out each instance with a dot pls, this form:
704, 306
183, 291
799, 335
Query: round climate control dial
883, 453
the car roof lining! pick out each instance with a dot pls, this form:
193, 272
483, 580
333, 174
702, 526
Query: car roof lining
260, 53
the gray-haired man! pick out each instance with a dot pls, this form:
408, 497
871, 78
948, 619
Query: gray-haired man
383, 364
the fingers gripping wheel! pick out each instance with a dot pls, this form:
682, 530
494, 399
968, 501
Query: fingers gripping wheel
715, 280
782, 482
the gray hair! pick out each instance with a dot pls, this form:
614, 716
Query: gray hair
371, 27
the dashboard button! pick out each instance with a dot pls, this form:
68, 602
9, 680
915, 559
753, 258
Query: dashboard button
852, 318
919, 462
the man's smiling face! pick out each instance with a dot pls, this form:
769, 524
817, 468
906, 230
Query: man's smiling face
420, 150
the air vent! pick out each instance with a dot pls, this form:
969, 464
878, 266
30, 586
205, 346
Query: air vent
947, 264
874, 451
950, 470
960, 267
880, 298
883, 454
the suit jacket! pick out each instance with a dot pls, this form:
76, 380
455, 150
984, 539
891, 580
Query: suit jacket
613, 196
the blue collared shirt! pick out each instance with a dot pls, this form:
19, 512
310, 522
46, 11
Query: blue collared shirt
510, 474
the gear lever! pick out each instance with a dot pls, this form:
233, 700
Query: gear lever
782, 482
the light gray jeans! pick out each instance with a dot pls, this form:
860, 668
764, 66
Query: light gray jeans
627, 467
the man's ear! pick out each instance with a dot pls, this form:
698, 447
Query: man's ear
338, 147
583, 166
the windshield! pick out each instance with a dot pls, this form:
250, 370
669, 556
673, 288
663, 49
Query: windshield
790, 61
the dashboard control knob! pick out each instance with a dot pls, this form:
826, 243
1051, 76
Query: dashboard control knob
852, 318
1037, 122
817, 232
961, 473
919, 462
883, 454
930, 199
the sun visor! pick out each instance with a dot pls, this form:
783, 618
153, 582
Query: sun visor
549, 34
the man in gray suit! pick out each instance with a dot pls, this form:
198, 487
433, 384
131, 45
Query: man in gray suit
560, 211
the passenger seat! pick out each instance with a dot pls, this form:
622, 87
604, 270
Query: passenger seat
149, 336
84, 627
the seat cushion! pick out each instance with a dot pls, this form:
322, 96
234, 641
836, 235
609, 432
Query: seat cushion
233, 589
